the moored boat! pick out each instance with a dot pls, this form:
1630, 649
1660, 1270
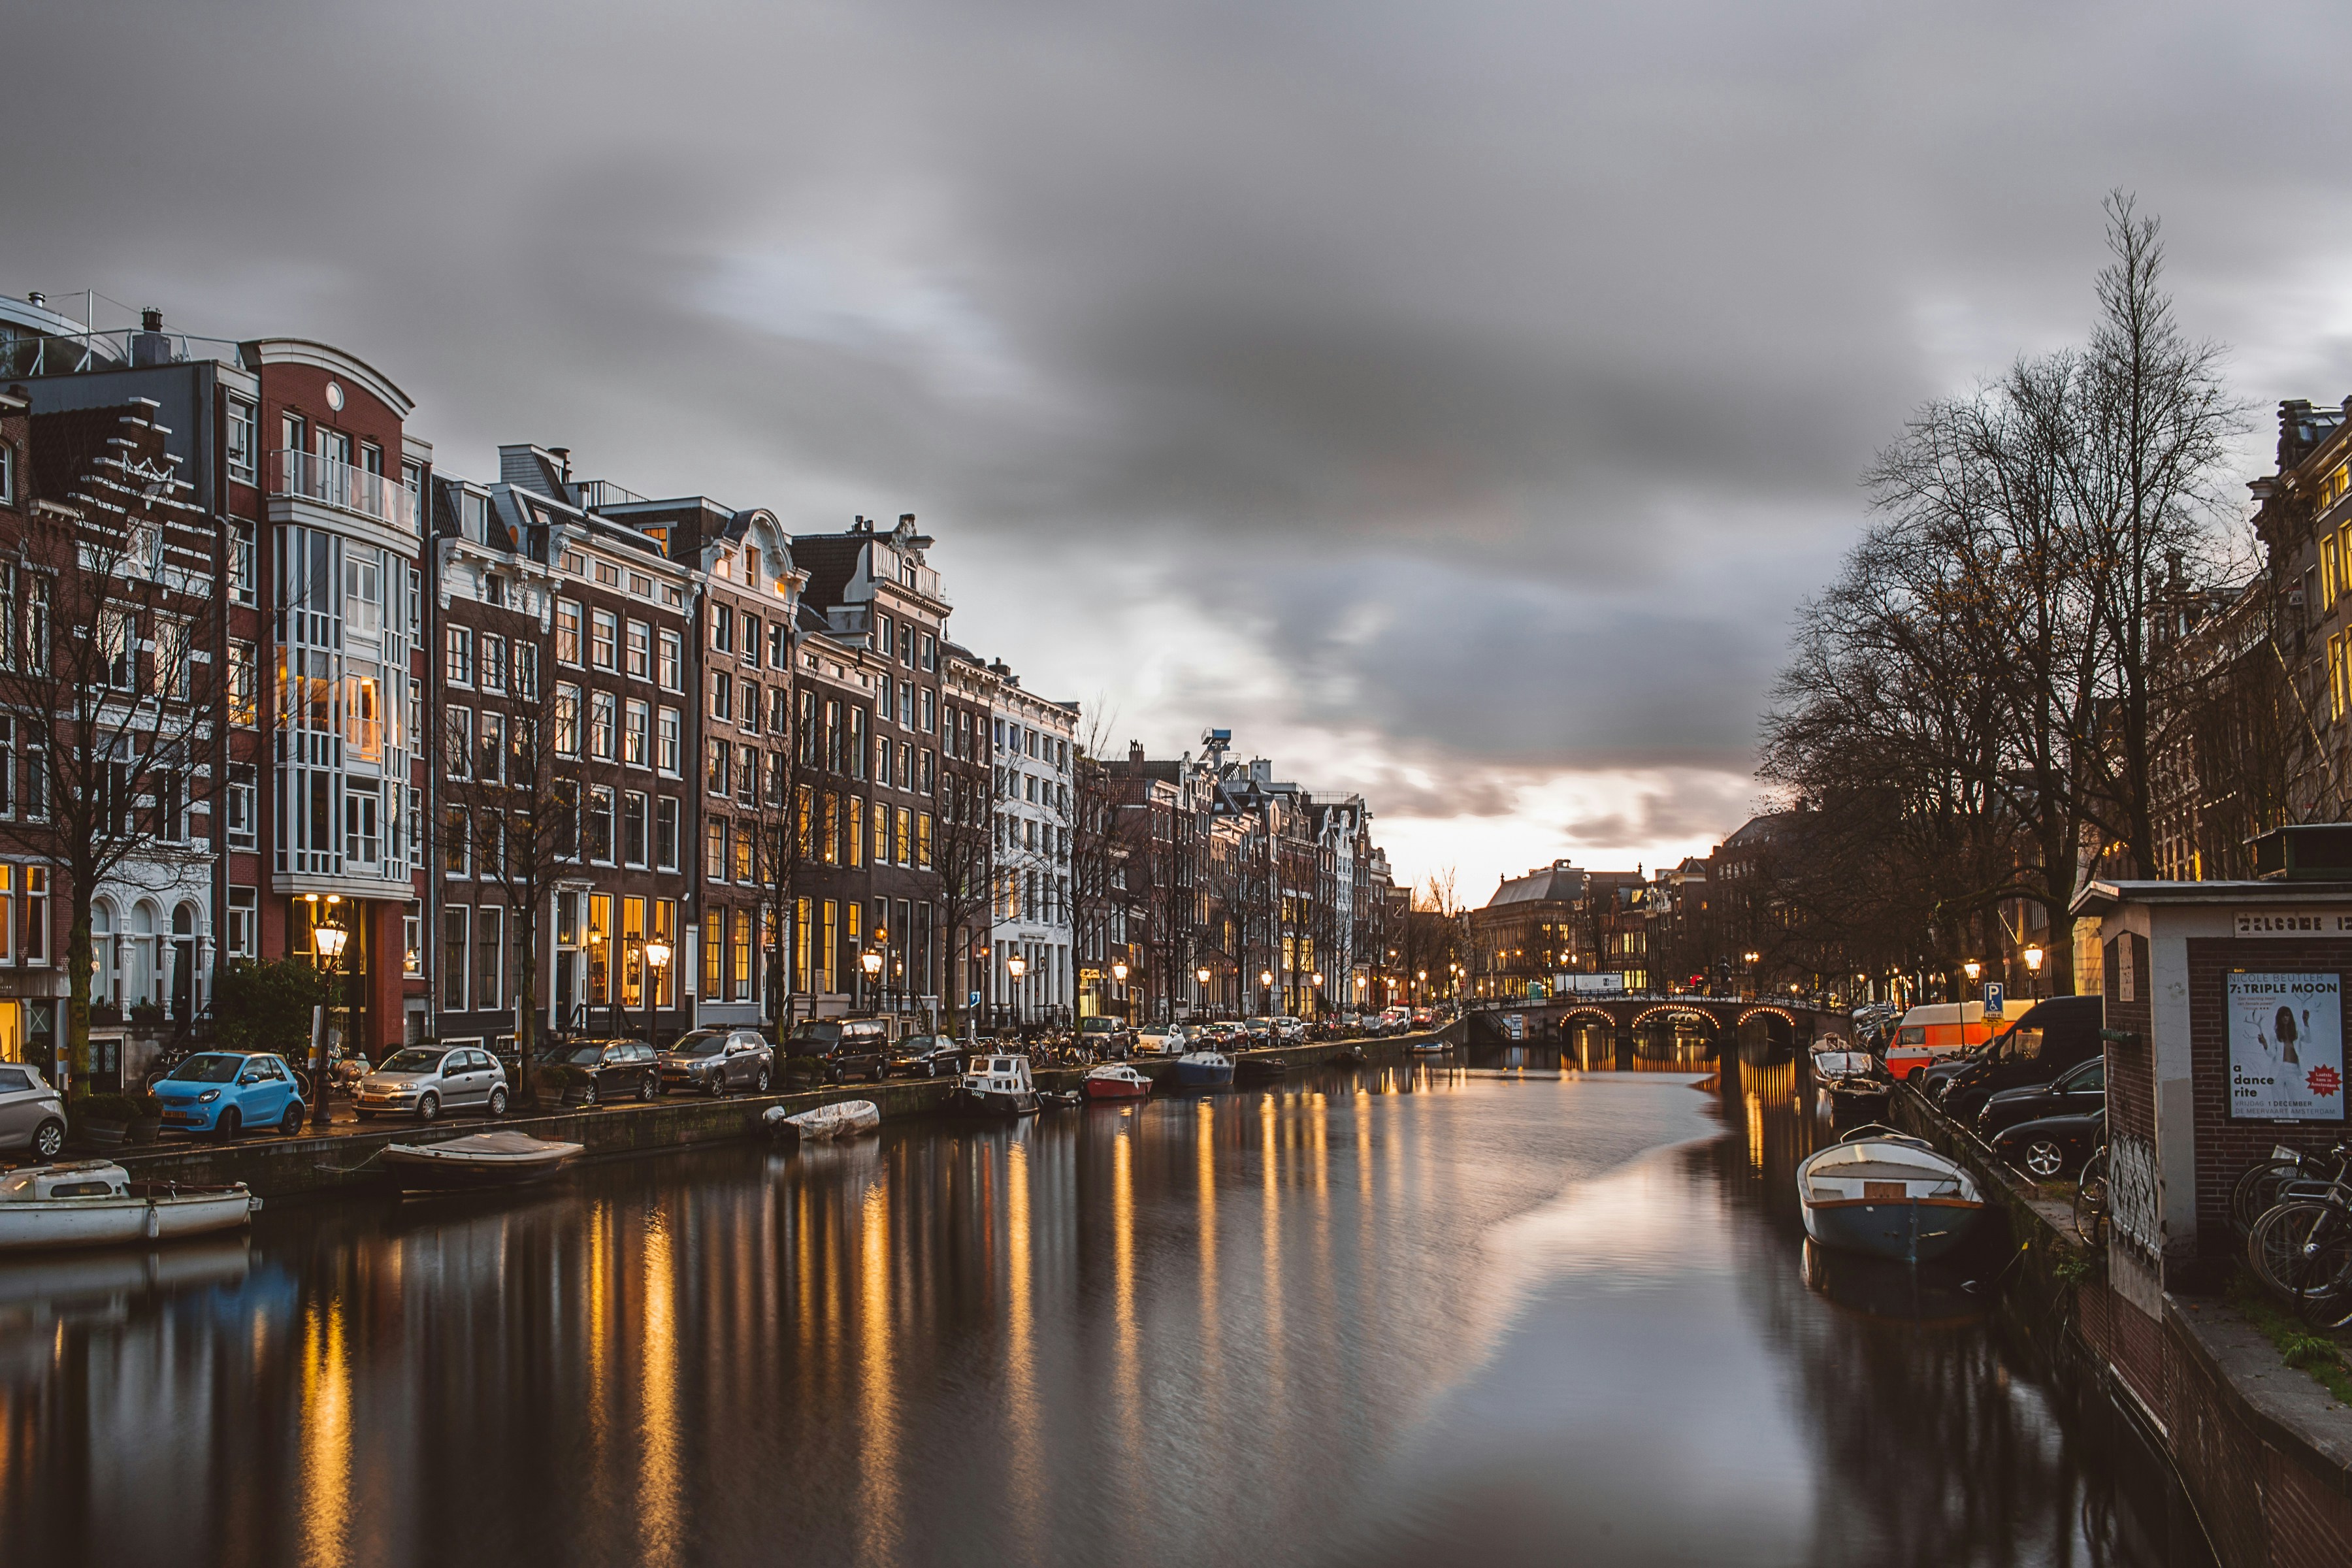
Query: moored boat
1115, 1081
1203, 1069
1850, 1073
1347, 1057
1430, 1047
94, 1203
995, 1086
1886, 1193
479, 1160
841, 1119
1259, 1070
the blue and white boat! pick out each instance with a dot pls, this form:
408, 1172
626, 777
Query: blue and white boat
1886, 1193
1203, 1069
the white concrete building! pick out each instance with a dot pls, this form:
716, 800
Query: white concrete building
1034, 744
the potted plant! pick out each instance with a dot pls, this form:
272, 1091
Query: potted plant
146, 1118
105, 1013
149, 1014
104, 1119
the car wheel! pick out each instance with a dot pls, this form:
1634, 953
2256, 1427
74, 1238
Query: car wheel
931, 1068
2045, 1157
364, 1116
717, 1086
49, 1139
498, 1104
225, 1128
291, 1122
429, 1107
760, 1084
588, 1095
832, 1076
647, 1087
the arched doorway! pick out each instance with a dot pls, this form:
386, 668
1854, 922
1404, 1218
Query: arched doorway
184, 962
105, 968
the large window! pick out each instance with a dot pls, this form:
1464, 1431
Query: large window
526, 670
490, 955
636, 734
602, 721
714, 854
453, 956
457, 663
641, 651
600, 825
672, 671
633, 829
492, 663
604, 636
240, 806
666, 744
567, 720
244, 692
567, 632
244, 441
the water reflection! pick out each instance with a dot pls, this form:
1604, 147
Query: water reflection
1461, 1310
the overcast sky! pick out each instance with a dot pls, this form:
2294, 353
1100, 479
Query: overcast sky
1452, 400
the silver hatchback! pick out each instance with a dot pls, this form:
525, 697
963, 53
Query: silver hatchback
32, 1114
424, 1081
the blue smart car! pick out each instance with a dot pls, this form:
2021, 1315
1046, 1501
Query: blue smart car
222, 1091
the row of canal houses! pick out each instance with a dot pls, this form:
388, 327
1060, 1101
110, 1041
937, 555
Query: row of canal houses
770, 752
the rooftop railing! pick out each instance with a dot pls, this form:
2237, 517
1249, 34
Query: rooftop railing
339, 485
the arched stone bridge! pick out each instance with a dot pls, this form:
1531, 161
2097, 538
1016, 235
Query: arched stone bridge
1786, 1024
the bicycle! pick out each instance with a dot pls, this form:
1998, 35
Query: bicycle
2259, 1187
2091, 1219
2303, 1249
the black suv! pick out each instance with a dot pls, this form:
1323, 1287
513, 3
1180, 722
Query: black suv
596, 1072
838, 1049
2055, 1034
2079, 1091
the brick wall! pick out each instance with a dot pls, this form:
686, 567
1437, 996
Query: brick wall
2131, 1078
2226, 1147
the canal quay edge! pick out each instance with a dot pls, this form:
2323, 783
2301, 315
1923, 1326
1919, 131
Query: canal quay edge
319, 1166
2261, 1451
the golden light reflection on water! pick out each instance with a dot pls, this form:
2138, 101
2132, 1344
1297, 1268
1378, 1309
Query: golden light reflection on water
1204, 1145
1025, 1465
1270, 1120
326, 1439
600, 1325
1127, 1328
658, 1471
877, 1406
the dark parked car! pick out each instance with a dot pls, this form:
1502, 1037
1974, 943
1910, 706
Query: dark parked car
596, 1072
2055, 1034
1108, 1036
2077, 1092
713, 1061
925, 1055
838, 1049
2052, 1146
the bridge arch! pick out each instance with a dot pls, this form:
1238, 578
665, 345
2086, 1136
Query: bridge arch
1781, 1013
1712, 1019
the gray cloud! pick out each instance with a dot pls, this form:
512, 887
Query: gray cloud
1498, 372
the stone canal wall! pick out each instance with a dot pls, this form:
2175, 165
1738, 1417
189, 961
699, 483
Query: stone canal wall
2263, 1451
343, 1161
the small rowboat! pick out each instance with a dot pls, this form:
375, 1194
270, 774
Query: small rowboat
94, 1203
1115, 1081
1886, 1193
841, 1119
482, 1160
1432, 1046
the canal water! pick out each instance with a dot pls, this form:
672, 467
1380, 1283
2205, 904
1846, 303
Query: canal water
1497, 1314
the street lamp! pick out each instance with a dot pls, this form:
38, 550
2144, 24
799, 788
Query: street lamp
327, 939
656, 962
2034, 967
1972, 968
1016, 966
1118, 973
1202, 975
870, 961
1315, 1003
1265, 989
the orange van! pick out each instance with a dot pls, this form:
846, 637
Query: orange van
1934, 1030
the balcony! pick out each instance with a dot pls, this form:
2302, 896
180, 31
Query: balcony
380, 498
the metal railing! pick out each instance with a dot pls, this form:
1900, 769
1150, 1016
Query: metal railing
339, 485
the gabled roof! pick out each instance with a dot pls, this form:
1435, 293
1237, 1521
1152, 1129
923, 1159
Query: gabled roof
1558, 883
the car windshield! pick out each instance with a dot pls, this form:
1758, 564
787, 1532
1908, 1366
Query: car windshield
1095, 1025
581, 1056
823, 1034
410, 1061
208, 1068
701, 1043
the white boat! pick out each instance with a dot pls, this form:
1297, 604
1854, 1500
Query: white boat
841, 1119
995, 1086
1887, 1194
1843, 1072
1432, 1046
94, 1203
482, 1160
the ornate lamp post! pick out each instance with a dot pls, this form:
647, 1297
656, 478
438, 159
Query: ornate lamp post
1420, 988
327, 939
1016, 966
1315, 999
870, 961
2034, 967
1265, 989
1118, 973
657, 963
1202, 975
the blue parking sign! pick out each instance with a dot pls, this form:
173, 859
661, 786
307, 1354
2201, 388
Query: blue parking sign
1994, 992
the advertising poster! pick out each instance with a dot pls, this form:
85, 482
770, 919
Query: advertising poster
2286, 1047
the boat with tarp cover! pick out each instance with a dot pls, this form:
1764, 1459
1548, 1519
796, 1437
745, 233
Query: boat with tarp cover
480, 1160
1886, 1193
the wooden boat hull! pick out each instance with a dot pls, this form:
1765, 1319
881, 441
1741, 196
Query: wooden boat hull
440, 1168
37, 1225
1202, 1075
992, 1105
1259, 1070
1114, 1088
1907, 1230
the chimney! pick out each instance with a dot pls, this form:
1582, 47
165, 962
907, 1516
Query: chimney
1135, 752
562, 455
151, 346
38, 299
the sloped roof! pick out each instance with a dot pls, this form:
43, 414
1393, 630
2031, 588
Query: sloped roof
1560, 883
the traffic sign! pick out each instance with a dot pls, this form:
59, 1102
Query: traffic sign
972, 1000
1992, 998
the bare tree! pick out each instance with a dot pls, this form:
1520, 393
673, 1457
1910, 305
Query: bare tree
113, 719
963, 849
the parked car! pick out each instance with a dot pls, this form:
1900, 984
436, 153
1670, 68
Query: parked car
424, 1081
924, 1056
225, 1091
597, 1072
1424, 1017
1108, 1036
2052, 1036
713, 1061
1259, 1030
838, 1049
1160, 1040
2079, 1091
2052, 1146
1289, 1031
1395, 1020
32, 1114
